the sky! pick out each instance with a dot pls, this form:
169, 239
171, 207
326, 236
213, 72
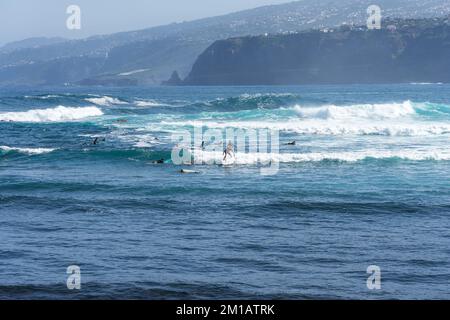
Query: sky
21, 19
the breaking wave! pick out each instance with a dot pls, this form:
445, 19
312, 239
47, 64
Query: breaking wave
327, 128
148, 103
246, 102
30, 151
361, 111
105, 101
344, 156
390, 119
58, 114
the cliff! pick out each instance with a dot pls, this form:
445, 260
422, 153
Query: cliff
403, 51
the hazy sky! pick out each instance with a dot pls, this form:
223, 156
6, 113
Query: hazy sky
20, 19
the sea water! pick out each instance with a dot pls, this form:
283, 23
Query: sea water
366, 184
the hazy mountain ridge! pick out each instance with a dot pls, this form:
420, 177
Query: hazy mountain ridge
164, 49
31, 43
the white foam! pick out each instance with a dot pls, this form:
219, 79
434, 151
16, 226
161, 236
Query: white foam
359, 111
335, 128
344, 156
58, 114
390, 119
248, 96
147, 103
50, 96
27, 150
106, 101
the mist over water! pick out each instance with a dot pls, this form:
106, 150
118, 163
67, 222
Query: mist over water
365, 184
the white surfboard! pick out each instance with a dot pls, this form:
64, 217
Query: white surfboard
185, 171
228, 162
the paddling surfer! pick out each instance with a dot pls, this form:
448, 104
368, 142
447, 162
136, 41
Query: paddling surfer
97, 140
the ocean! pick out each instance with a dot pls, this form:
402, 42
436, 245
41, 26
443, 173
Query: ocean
365, 184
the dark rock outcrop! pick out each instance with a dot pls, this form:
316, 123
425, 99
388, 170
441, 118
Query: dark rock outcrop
174, 80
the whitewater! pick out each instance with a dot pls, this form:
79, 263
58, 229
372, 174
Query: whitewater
58, 114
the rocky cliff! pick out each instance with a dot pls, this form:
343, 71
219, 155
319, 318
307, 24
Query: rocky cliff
403, 51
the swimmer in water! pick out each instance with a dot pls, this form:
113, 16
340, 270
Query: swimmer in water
97, 140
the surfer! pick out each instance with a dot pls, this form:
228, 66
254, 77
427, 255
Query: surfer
97, 140
229, 151
160, 161
292, 143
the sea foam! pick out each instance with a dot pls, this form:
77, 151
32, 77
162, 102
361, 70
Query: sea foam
390, 119
358, 111
30, 151
148, 103
58, 114
344, 156
105, 101
315, 127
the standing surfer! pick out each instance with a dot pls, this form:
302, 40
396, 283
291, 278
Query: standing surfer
229, 151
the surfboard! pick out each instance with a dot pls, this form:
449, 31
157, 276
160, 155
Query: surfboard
228, 162
185, 171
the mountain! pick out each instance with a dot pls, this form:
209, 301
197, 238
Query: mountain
112, 59
404, 51
30, 43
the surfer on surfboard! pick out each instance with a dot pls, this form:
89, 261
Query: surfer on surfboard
229, 151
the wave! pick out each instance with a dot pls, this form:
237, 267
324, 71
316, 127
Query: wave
359, 111
43, 97
30, 151
246, 102
324, 128
390, 119
106, 101
216, 158
148, 103
345, 156
376, 112
58, 114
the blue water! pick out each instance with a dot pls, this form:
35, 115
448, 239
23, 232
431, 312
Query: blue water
367, 183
